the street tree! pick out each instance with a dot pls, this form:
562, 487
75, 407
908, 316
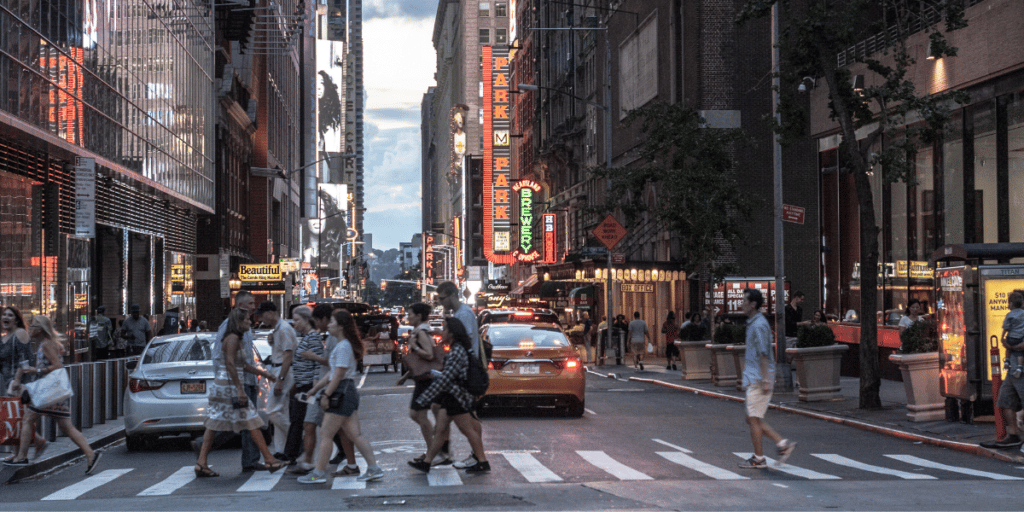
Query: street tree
897, 116
688, 169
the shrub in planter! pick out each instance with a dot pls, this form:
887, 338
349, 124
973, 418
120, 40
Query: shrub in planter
731, 334
815, 336
919, 338
692, 332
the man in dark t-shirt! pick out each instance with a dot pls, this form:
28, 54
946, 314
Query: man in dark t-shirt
794, 314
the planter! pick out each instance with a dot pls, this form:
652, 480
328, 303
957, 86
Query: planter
696, 359
739, 360
817, 371
723, 370
921, 382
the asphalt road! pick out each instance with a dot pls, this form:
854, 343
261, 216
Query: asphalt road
638, 447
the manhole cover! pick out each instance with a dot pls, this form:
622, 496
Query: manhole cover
436, 502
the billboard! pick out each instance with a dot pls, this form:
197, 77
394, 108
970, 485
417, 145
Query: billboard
324, 234
329, 94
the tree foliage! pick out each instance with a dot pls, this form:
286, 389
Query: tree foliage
689, 169
897, 116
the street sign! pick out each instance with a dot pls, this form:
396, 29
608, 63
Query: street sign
593, 251
289, 264
794, 214
618, 258
609, 232
85, 197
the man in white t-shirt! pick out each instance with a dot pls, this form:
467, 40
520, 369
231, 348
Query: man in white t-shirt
283, 342
637, 334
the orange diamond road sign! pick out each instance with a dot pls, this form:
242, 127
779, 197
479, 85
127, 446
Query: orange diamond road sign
609, 232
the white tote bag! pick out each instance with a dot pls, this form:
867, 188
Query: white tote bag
54, 388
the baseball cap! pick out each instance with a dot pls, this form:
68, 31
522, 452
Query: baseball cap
134, 309
266, 306
102, 309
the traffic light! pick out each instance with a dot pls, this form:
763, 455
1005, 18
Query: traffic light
383, 285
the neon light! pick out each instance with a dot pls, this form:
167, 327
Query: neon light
497, 157
550, 238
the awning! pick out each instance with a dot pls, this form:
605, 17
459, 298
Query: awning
582, 297
528, 288
553, 289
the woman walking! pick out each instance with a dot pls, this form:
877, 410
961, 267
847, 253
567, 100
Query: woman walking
229, 407
15, 350
340, 401
456, 403
49, 359
421, 343
671, 332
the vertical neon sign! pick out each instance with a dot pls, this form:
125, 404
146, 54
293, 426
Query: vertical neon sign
497, 157
550, 238
526, 190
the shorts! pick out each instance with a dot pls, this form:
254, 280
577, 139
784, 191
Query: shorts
1010, 393
452, 406
421, 386
349, 402
638, 348
757, 401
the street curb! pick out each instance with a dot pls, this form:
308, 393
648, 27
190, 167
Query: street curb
878, 429
52, 463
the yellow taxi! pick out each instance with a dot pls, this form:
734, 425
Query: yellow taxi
532, 366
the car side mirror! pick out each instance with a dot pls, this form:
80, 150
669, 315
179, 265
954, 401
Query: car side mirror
131, 365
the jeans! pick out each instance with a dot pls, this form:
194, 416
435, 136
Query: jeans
296, 414
250, 452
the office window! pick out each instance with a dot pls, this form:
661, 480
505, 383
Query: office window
485, 36
500, 36
485, 9
501, 9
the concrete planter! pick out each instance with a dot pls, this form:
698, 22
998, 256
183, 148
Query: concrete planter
739, 361
723, 369
817, 371
696, 358
921, 381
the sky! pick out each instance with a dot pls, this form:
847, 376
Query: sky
399, 64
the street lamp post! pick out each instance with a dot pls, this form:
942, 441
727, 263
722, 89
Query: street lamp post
343, 258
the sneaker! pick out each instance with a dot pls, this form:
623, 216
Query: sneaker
1017, 372
421, 465
1010, 441
754, 463
313, 477
479, 467
786, 448
22, 462
641, 366
346, 471
372, 473
469, 462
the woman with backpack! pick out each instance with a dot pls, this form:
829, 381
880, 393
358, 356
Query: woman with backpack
448, 390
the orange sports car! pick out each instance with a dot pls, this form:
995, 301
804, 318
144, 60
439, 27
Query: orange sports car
533, 366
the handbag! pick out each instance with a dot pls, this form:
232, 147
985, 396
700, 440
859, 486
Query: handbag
419, 368
54, 388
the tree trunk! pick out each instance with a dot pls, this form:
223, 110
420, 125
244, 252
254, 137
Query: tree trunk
870, 380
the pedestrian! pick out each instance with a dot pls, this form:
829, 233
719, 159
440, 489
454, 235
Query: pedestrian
283, 343
795, 314
301, 440
671, 332
340, 401
637, 334
619, 328
15, 345
203, 326
456, 402
587, 333
449, 297
1011, 391
602, 344
136, 332
421, 343
759, 379
322, 314
49, 359
230, 408
818, 318
101, 334
913, 315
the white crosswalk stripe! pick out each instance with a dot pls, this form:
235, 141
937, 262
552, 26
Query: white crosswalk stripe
348, 483
917, 461
261, 481
843, 461
791, 469
176, 481
612, 466
75, 490
701, 467
531, 469
441, 476
670, 445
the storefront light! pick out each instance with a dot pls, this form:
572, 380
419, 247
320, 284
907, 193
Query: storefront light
632, 274
654, 275
547, 276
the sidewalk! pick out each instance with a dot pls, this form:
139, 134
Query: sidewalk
62, 452
890, 420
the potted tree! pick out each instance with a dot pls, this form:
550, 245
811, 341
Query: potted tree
694, 352
918, 361
817, 358
723, 365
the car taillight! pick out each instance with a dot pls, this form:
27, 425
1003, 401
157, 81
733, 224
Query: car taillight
567, 363
572, 363
136, 385
496, 364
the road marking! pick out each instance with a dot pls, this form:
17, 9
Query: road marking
176, 481
780, 485
362, 380
917, 461
347, 483
793, 470
612, 466
73, 491
670, 445
443, 476
261, 481
503, 452
701, 467
588, 411
531, 468
627, 390
843, 461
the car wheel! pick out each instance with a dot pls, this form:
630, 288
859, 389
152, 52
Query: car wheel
575, 410
136, 443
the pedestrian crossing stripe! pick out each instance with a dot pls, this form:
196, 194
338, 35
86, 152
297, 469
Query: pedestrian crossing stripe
612, 466
790, 469
917, 461
443, 476
75, 490
531, 468
843, 461
176, 481
261, 481
701, 467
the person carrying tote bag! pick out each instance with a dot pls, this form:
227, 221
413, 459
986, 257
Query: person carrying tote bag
423, 357
49, 369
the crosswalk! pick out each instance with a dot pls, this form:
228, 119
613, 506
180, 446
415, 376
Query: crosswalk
533, 466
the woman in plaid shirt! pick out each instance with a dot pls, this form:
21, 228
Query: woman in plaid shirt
456, 403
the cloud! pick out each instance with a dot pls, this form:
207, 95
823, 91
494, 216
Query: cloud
416, 9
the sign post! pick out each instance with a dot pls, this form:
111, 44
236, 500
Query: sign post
610, 232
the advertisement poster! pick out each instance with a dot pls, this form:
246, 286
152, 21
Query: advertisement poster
996, 292
952, 332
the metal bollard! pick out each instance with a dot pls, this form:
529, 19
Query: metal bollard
99, 392
112, 395
121, 381
84, 394
48, 428
75, 376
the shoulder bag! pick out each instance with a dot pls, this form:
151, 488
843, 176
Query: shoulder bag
54, 388
419, 368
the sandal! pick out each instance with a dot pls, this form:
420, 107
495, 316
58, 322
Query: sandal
92, 465
204, 471
272, 468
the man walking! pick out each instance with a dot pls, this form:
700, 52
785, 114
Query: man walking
759, 379
795, 315
448, 296
283, 342
101, 334
136, 331
637, 334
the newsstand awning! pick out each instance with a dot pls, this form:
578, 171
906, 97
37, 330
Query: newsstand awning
582, 297
553, 289
529, 288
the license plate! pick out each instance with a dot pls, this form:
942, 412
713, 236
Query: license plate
193, 387
529, 369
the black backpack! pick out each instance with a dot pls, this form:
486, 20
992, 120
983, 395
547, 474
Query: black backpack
477, 380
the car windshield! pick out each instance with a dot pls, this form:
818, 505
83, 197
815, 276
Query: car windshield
512, 335
524, 317
179, 348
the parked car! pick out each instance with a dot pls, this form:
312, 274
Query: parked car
533, 366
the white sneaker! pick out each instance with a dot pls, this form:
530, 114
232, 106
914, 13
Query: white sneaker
468, 463
314, 477
372, 473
